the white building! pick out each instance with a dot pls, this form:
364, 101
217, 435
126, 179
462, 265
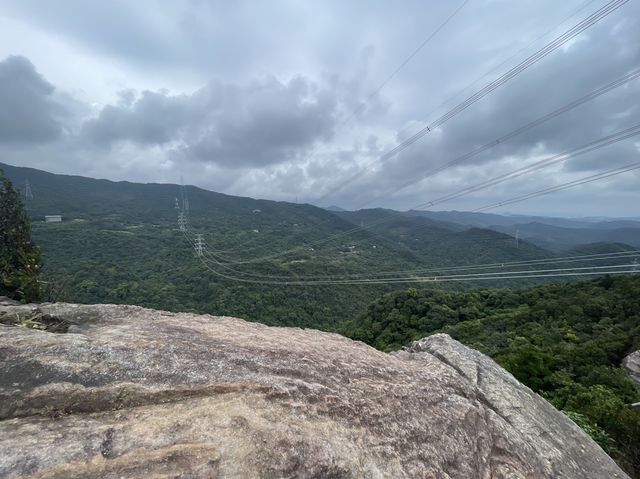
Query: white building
53, 219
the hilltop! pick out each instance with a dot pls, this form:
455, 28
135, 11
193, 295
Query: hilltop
124, 391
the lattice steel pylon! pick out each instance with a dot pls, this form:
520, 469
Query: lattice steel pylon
199, 245
28, 194
182, 221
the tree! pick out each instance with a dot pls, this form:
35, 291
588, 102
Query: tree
19, 257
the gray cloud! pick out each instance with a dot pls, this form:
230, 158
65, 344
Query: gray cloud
151, 118
257, 94
563, 77
265, 123
261, 123
29, 111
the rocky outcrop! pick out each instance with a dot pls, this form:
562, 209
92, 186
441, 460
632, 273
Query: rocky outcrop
632, 365
122, 391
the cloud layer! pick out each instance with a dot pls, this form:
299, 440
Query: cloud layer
30, 112
277, 102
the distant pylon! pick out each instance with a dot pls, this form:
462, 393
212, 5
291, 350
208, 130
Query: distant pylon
185, 200
28, 195
199, 245
177, 204
182, 221
517, 238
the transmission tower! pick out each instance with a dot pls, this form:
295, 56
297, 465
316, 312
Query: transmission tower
182, 221
185, 199
199, 245
28, 195
517, 238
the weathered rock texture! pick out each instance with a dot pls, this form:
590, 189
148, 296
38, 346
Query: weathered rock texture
632, 364
132, 392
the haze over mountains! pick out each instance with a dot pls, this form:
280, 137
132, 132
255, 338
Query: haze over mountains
552, 233
555, 234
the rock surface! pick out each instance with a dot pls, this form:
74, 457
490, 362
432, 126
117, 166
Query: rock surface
131, 392
632, 365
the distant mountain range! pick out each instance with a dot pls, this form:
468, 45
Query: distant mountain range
334, 208
552, 233
555, 234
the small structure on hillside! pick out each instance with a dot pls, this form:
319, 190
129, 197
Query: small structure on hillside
53, 219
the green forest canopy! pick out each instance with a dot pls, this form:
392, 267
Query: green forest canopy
19, 257
565, 341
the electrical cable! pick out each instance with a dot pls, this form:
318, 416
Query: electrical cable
577, 29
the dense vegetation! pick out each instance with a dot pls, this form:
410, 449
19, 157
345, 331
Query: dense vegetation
119, 243
564, 341
19, 257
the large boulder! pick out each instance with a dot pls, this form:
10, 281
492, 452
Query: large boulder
120, 391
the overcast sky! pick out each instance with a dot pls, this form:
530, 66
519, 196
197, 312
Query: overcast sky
274, 99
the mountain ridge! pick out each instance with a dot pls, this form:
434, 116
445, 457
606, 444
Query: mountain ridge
119, 242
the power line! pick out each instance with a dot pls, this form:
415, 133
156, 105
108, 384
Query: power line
325, 280
583, 149
378, 274
397, 70
590, 96
467, 237
493, 69
632, 75
559, 272
405, 62
598, 257
532, 124
589, 21
555, 44
534, 58
564, 186
568, 154
491, 236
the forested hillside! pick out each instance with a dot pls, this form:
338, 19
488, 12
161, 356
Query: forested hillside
119, 243
450, 243
565, 341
